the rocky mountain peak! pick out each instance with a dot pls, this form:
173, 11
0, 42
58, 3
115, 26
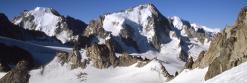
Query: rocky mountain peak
50, 22
45, 10
228, 49
148, 7
134, 27
242, 20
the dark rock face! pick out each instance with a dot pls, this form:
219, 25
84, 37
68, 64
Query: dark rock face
102, 56
74, 58
183, 55
206, 58
11, 55
77, 26
92, 31
126, 36
228, 49
95, 28
162, 28
165, 73
63, 57
201, 35
198, 61
4, 67
189, 63
127, 60
83, 41
8, 29
190, 31
17, 75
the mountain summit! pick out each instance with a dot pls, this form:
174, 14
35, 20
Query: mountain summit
143, 28
50, 22
134, 45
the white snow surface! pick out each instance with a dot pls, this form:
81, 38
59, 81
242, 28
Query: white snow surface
196, 46
237, 74
114, 22
178, 23
2, 74
46, 21
137, 19
54, 72
150, 73
190, 76
196, 26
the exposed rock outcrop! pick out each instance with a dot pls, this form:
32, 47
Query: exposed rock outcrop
183, 55
126, 60
102, 56
228, 49
19, 74
165, 73
199, 59
95, 27
189, 63
74, 59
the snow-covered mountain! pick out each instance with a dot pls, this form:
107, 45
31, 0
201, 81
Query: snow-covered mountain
50, 22
143, 29
135, 45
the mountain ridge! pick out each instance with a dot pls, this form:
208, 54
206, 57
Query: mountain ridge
138, 42
50, 22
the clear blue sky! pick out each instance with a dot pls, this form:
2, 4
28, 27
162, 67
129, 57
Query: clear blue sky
212, 13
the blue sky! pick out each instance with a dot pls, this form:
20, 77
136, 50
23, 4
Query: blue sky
212, 13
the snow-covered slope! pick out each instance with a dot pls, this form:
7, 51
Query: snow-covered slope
237, 74
138, 24
41, 54
50, 22
141, 31
2, 74
199, 37
54, 72
190, 76
114, 22
144, 31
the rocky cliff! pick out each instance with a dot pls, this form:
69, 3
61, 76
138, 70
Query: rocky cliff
228, 49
